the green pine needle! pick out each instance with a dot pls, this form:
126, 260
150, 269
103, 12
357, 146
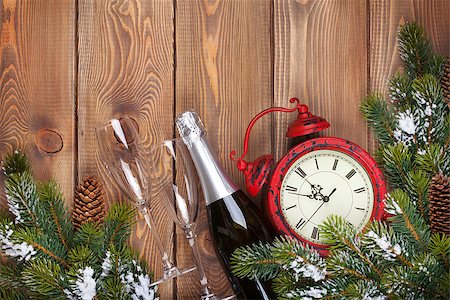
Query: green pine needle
43, 277
415, 50
379, 116
440, 246
407, 222
55, 221
22, 198
397, 161
117, 225
16, 162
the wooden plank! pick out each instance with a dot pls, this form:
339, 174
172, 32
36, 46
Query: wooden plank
223, 59
321, 58
126, 68
37, 91
386, 17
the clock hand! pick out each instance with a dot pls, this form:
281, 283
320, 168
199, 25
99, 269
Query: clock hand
314, 213
327, 198
309, 196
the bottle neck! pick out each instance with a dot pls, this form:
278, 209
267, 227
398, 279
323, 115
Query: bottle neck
216, 182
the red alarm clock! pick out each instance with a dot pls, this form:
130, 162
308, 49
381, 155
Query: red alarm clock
315, 179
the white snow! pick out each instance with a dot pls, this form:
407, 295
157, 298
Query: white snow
406, 122
307, 270
383, 242
106, 264
22, 251
85, 284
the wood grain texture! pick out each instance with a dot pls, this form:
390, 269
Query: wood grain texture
63, 72
384, 21
37, 87
126, 68
386, 17
321, 58
223, 71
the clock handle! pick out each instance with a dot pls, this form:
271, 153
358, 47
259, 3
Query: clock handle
257, 171
240, 161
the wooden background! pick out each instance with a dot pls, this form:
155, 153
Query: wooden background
69, 65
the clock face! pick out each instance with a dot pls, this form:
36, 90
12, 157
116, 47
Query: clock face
322, 183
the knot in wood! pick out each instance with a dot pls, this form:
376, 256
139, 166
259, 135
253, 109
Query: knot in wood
49, 141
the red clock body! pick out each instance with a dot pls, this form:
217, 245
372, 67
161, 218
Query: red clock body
316, 179
321, 177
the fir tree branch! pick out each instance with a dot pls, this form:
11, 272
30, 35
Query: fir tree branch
54, 213
43, 277
379, 116
407, 221
62, 238
35, 239
22, 198
440, 246
50, 253
337, 229
117, 225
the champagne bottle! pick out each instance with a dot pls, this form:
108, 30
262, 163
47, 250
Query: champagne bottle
233, 219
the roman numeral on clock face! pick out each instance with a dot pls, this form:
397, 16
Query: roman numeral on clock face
317, 164
360, 190
300, 223
300, 172
335, 164
350, 174
315, 233
291, 188
295, 205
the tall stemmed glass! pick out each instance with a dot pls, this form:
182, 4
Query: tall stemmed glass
125, 159
171, 159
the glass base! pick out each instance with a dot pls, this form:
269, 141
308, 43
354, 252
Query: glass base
172, 273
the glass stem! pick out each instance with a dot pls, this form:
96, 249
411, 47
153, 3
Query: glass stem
190, 235
151, 224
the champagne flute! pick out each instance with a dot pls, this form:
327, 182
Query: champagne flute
171, 159
125, 159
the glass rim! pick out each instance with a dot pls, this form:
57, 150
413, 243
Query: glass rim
108, 124
161, 143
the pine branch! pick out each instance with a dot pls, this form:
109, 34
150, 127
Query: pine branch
400, 92
430, 105
54, 215
440, 247
343, 263
337, 230
117, 225
415, 49
90, 234
417, 187
434, 160
42, 243
381, 241
15, 162
406, 221
397, 161
10, 279
267, 261
379, 116
22, 198
43, 278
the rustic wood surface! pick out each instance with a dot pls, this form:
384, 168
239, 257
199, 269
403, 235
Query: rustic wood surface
37, 86
68, 66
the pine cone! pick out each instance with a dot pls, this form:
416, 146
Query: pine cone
446, 81
89, 203
439, 198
